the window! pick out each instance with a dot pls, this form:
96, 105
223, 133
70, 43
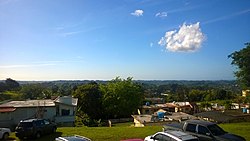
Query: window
167, 138
65, 112
216, 130
158, 137
39, 123
191, 127
46, 122
202, 130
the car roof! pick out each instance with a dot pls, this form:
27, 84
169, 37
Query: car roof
30, 120
201, 122
73, 138
178, 134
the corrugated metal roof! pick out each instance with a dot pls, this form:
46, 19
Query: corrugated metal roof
30, 103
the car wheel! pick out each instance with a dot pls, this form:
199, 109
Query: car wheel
5, 136
38, 135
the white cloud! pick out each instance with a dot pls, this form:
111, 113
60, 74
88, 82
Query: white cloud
187, 39
161, 14
137, 13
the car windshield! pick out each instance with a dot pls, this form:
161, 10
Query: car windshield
25, 124
74, 139
216, 130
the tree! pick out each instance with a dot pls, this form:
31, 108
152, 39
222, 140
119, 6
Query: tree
11, 84
89, 100
241, 59
121, 97
196, 95
33, 91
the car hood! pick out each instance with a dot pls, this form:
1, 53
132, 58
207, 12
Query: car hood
5, 129
231, 137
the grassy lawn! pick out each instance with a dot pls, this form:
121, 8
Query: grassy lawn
125, 131
241, 129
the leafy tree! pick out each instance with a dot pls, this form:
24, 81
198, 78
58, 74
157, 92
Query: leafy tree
121, 97
89, 100
11, 84
241, 59
3, 87
33, 91
196, 95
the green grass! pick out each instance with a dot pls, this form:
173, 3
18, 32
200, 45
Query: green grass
241, 129
125, 131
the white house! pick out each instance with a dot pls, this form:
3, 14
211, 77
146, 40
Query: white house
61, 110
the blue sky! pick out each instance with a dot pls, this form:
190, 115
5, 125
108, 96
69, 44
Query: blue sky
103, 39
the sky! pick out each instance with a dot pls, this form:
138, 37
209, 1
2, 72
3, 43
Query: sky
104, 39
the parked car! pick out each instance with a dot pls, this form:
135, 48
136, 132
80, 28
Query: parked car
4, 133
34, 128
171, 135
204, 130
73, 138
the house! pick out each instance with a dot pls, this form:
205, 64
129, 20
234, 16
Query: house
157, 119
61, 110
185, 107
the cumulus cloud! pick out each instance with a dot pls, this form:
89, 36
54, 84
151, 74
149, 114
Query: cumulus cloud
137, 13
161, 14
187, 39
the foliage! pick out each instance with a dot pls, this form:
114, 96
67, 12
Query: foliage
89, 100
8, 85
241, 59
33, 91
121, 97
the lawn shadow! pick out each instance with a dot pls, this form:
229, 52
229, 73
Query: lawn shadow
50, 137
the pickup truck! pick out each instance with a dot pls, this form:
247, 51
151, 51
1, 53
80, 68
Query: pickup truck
204, 130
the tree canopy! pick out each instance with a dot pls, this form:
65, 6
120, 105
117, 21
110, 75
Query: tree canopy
241, 59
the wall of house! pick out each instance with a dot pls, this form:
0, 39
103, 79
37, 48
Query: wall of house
65, 110
26, 113
65, 114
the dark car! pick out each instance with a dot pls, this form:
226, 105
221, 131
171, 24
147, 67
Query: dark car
34, 128
204, 130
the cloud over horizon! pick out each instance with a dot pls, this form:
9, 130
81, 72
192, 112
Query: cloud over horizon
188, 38
137, 13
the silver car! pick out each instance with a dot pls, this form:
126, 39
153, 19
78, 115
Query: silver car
170, 135
73, 138
4, 133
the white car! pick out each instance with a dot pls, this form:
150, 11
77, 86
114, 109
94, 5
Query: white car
171, 135
4, 133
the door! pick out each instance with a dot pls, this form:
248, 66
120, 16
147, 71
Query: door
204, 134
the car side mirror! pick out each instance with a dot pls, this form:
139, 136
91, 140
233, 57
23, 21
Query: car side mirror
152, 138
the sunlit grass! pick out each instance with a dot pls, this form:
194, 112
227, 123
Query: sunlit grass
125, 131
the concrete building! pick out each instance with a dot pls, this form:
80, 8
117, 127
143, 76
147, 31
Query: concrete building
61, 110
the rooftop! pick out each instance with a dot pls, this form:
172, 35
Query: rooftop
30, 103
